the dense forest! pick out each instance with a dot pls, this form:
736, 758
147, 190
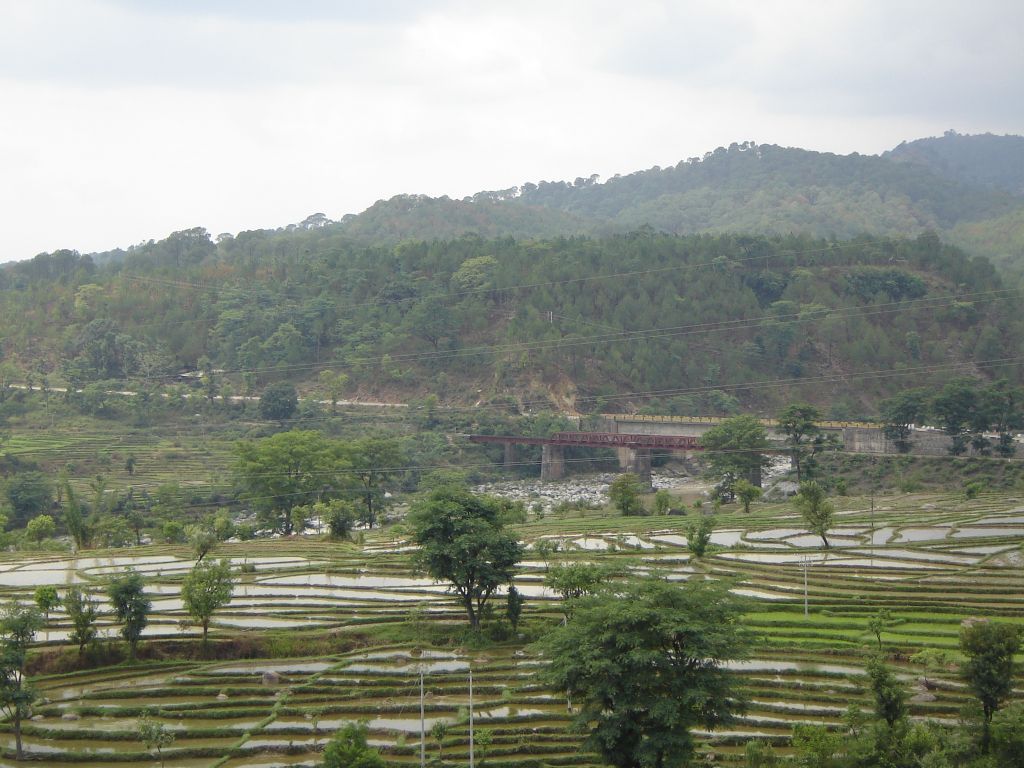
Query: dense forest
968, 189
668, 323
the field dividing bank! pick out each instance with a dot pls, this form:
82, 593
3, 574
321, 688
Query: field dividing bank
339, 632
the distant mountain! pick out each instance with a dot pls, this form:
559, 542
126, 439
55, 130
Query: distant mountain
986, 160
966, 188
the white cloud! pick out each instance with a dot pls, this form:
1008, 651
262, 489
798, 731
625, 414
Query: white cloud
125, 120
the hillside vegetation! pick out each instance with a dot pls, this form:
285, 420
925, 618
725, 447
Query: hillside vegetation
674, 323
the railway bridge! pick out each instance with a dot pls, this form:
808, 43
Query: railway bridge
634, 449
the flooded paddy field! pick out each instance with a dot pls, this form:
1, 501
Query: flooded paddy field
374, 626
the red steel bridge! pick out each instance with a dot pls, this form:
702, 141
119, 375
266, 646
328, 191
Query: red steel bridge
634, 450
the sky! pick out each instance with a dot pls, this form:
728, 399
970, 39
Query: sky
124, 120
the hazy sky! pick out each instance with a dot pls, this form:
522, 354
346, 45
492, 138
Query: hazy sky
123, 120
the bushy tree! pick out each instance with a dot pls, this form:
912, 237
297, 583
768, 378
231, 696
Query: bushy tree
46, 599
131, 607
747, 493
348, 748
817, 511
18, 627
989, 670
646, 664
462, 541
82, 613
294, 468
625, 493
155, 735
575, 580
736, 448
40, 528
207, 588
698, 535
799, 423
890, 695
278, 402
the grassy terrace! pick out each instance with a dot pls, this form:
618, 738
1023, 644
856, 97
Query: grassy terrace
335, 632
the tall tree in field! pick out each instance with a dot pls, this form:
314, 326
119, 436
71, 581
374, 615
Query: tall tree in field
131, 606
735, 448
900, 412
798, 422
989, 647
18, 627
375, 462
82, 613
289, 469
813, 504
462, 541
625, 492
278, 402
646, 665
207, 587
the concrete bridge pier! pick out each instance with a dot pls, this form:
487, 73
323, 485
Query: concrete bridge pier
625, 456
552, 462
640, 465
510, 456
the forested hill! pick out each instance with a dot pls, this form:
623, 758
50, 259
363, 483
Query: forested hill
967, 188
985, 160
678, 324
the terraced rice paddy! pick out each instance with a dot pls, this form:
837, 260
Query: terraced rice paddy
932, 561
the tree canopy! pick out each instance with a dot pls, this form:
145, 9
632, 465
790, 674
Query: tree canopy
646, 664
462, 541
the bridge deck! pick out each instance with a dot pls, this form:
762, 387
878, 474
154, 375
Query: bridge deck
599, 440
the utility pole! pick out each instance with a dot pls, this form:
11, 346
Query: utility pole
470, 716
805, 561
423, 727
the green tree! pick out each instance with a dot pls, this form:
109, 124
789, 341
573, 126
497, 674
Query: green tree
662, 501
698, 535
647, 665
154, 735
736, 448
759, 754
813, 504
201, 540
278, 402
339, 515
890, 695
625, 493
1008, 736
74, 518
462, 541
878, 623
334, 383
815, 745
30, 494
82, 613
953, 407
989, 670
575, 580
46, 599
289, 469
798, 422
207, 588
131, 607
348, 748
375, 462
747, 493
18, 627
514, 606
899, 414
40, 528
439, 732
